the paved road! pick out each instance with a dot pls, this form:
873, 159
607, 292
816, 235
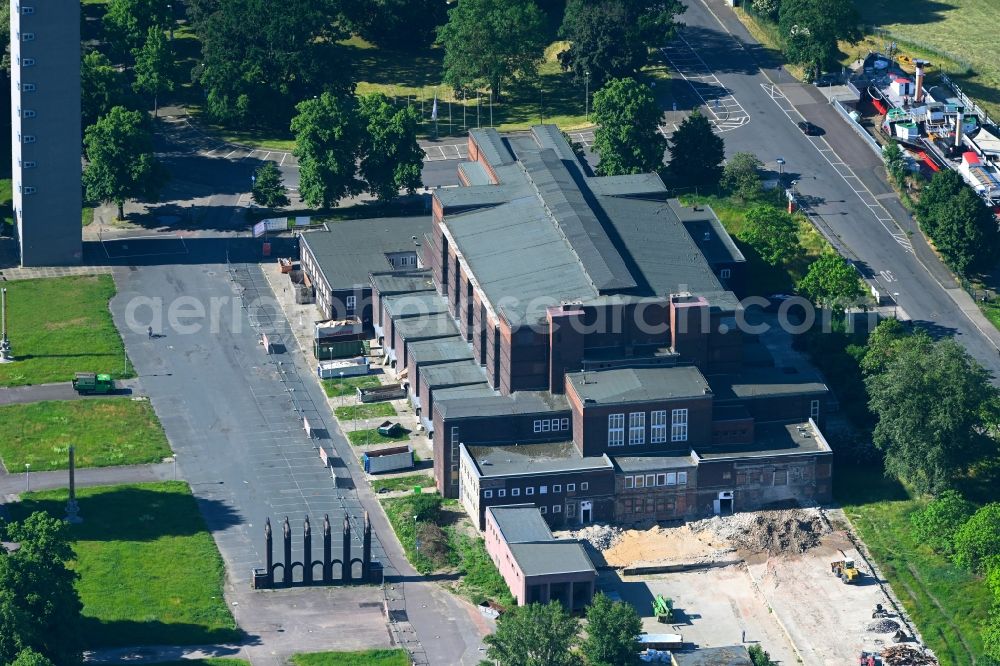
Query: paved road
15, 484
62, 391
837, 175
232, 415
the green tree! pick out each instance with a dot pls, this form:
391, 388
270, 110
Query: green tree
612, 632
991, 636
127, 22
534, 635
609, 39
627, 137
397, 24
759, 656
741, 176
39, 606
811, 29
831, 281
28, 657
155, 69
766, 8
121, 164
391, 158
102, 86
895, 163
932, 402
944, 186
883, 344
268, 190
490, 42
260, 58
696, 153
965, 232
937, 522
328, 139
771, 232
977, 541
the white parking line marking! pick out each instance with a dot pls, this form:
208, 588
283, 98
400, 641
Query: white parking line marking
282, 159
728, 114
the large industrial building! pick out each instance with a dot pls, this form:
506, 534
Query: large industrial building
45, 119
573, 343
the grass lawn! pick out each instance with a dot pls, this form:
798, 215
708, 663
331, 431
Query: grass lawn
150, 573
402, 482
762, 278
59, 326
372, 436
964, 31
105, 431
360, 658
87, 216
336, 388
370, 410
946, 603
205, 662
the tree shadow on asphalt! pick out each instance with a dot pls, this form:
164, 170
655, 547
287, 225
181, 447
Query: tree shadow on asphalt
128, 633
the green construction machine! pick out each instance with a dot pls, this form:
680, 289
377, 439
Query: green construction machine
663, 609
89, 382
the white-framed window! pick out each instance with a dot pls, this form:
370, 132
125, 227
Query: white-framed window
640, 481
814, 409
29, 138
556, 508
27, 190
564, 424
671, 478
682, 478
351, 302
661, 479
515, 492
487, 494
529, 491
658, 426
616, 430
26, 164
26, 87
28, 113
637, 428
501, 493
538, 426
571, 509
650, 480
27, 36
543, 490
584, 485
725, 273
546, 425
570, 487
27, 11
678, 425
629, 482
542, 510
556, 488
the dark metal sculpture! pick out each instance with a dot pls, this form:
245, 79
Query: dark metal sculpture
265, 578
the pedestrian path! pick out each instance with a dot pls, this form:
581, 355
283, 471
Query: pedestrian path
13, 483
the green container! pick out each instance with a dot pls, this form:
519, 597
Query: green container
327, 351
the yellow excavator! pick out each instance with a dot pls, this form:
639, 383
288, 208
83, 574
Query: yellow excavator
845, 569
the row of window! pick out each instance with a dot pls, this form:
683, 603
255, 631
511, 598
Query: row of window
652, 480
530, 490
657, 429
26, 87
551, 425
648, 505
25, 62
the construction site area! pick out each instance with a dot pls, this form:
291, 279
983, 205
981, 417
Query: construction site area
791, 581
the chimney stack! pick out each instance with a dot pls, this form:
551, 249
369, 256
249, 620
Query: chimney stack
918, 95
959, 120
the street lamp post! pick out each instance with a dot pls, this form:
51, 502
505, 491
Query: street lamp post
170, 10
5, 354
781, 170
586, 94
27, 479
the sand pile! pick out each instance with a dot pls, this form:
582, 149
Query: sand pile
773, 532
662, 544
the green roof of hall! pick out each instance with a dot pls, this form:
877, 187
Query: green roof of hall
348, 251
548, 233
528, 459
520, 402
413, 304
764, 382
440, 350
390, 283
635, 385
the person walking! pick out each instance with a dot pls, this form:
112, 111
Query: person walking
149, 332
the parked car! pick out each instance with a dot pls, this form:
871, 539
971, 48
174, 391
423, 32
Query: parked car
809, 129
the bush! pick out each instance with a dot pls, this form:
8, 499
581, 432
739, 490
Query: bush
759, 656
433, 544
481, 579
978, 539
936, 523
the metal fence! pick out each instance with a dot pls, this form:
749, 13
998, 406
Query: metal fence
869, 139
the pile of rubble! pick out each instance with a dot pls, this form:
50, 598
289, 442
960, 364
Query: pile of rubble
883, 626
601, 537
773, 532
907, 655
